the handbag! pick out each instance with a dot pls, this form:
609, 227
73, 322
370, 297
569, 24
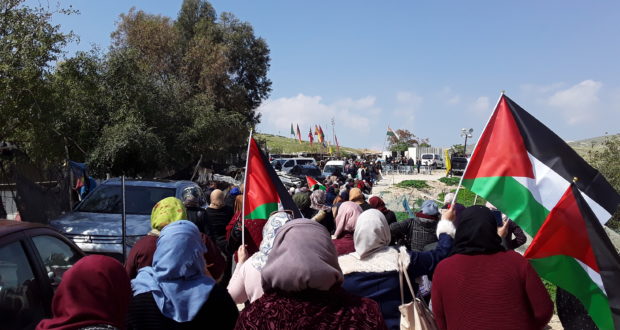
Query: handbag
415, 314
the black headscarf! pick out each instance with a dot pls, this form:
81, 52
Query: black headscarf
477, 232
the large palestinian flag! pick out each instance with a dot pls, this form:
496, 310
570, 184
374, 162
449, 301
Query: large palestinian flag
540, 182
263, 191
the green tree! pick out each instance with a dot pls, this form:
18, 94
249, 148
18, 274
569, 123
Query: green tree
605, 160
29, 43
404, 139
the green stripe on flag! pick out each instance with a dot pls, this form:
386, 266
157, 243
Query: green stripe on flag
514, 199
263, 211
566, 273
519, 204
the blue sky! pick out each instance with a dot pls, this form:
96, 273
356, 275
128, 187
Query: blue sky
432, 67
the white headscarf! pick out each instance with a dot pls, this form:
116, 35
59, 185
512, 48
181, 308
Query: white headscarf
372, 233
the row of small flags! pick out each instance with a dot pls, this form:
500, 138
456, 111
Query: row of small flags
318, 131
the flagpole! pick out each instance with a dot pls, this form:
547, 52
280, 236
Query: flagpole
458, 188
245, 190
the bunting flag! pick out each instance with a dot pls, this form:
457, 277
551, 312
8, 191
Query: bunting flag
310, 137
312, 184
292, 130
298, 134
540, 182
390, 132
264, 193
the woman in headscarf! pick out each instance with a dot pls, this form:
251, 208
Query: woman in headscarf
93, 294
345, 226
372, 270
165, 212
322, 212
419, 231
175, 293
245, 283
378, 204
357, 196
194, 207
302, 200
483, 286
301, 280
330, 195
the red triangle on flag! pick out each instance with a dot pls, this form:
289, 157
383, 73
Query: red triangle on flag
500, 150
564, 232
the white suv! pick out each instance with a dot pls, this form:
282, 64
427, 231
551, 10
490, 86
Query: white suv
290, 163
433, 160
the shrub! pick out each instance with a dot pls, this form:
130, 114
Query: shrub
418, 184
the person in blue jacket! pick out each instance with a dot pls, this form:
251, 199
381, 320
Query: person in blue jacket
372, 270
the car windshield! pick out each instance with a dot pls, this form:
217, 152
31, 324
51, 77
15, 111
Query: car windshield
427, 156
304, 161
332, 168
138, 200
311, 171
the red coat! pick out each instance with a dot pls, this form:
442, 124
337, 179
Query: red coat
496, 291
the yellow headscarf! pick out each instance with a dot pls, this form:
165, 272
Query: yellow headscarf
167, 211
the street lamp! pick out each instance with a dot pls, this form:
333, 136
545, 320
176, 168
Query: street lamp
466, 133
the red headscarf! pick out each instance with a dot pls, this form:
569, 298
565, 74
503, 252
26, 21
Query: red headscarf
94, 291
378, 204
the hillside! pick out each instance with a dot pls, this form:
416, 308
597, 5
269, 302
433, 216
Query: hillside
281, 144
582, 146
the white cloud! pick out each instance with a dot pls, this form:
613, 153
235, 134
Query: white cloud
407, 104
307, 111
454, 100
481, 105
578, 103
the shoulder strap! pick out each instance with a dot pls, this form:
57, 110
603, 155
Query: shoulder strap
402, 271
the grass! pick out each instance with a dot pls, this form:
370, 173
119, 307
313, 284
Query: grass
551, 288
400, 216
418, 184
283, 145
453, 181
465, 197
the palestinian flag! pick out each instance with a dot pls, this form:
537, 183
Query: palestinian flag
312, 183
540, 182
264, 192
298, 134
391, 132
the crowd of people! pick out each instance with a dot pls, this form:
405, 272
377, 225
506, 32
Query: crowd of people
335, 267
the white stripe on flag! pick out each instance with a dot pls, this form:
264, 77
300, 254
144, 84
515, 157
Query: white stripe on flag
594, 276
547, 187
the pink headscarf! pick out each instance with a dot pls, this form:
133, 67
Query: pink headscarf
347, 217
297, 263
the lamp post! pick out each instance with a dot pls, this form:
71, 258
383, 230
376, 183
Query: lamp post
466, 133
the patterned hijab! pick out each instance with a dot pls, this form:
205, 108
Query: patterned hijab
270, 229
167, 211
317, 200
298, 263
177, 277
346, 218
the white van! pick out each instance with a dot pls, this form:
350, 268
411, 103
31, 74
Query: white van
286, 166
331, 167
433, 160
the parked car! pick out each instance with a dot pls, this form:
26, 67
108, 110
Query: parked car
301, 171
458, 165
288, 165
332, 166
278, 162
33, 259
432, 160
95, 224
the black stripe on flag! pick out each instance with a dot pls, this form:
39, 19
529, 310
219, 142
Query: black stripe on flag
552, 151
285, 197
606, 256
